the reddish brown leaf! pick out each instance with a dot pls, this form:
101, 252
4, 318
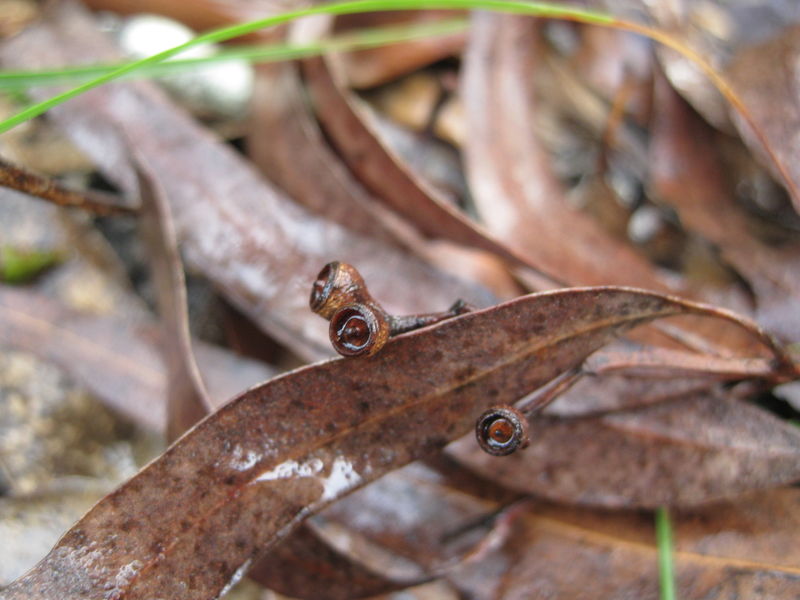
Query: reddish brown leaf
242, 478
684, 452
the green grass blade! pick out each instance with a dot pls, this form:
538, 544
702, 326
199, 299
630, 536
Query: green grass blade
541, 9
666, 571
19, 266
359, 40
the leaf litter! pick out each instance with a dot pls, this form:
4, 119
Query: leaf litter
651, 423
217, 234
420, 392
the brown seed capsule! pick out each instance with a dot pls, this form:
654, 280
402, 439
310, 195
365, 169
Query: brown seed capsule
336, 285
359, 329
501, 430
339, 286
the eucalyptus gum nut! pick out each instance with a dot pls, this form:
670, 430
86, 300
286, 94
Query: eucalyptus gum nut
502, 430
358, 323
359, 330
337, 285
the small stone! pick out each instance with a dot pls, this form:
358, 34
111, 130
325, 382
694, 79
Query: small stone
218, 90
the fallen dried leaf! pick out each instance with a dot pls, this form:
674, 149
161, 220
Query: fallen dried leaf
287, 144
242, 478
